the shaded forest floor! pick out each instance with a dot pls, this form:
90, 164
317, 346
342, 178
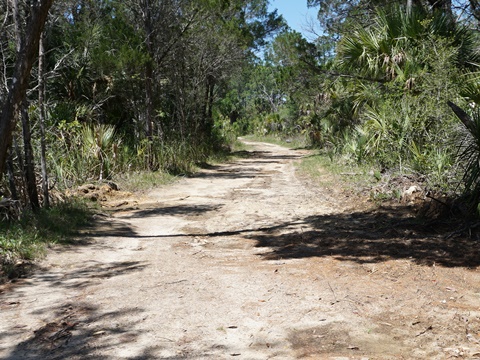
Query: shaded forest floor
248, 260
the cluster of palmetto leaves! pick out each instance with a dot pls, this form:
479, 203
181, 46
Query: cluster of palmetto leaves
406, 67
392, 48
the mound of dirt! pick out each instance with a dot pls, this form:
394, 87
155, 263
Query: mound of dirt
107, 194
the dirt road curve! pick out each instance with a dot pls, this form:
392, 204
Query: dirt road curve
246, 261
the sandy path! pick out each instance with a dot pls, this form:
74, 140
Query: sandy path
243, 261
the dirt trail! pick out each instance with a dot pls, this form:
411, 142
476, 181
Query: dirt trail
244, 260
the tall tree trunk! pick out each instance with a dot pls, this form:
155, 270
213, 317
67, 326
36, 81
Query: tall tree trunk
149, 109
11, 178
41, 106
21, 166
19, 84
207, 115
29, 169
17, 23
149, 99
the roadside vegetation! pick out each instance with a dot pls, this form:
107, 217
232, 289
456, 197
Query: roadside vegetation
27, 238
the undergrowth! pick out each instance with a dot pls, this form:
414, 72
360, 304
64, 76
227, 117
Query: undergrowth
26, 239
143, 180
334, 172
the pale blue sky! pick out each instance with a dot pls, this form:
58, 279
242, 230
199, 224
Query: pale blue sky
296, 14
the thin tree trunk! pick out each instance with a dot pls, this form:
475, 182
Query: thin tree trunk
149, 116
211, 92
21, 166
19, 84
207, 110
41, 106
29, 169
149, 99
149, 112
17, 26
11, 178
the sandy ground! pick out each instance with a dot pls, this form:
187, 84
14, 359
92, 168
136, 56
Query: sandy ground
246, 260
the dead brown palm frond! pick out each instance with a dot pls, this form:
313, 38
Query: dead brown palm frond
469, 152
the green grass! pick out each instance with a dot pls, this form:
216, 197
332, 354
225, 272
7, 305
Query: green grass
326, 171
238, 146
27, 239
318, 163
144, 180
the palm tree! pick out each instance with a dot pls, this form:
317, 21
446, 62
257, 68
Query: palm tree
98, 143
391, 49
414, 55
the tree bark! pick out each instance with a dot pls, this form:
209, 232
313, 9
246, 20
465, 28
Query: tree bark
149, 108
41, 106
29, 170
11, 178
19, 84
21, 166
148, 28
208, 115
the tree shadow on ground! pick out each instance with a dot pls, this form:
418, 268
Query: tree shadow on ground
185, 210
370, 237
81, 330
364, 237
246, 169
84, 275
105, 226
266, 156
74, 334
73, 329
79, 276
